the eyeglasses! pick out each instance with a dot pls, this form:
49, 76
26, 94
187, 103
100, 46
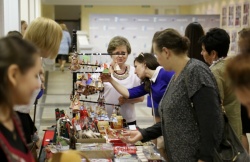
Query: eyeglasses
119, 53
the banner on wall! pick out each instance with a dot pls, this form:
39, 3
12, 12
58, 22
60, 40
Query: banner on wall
231, 15
233, 42
139, 30
237, 15
245, 14
224, 16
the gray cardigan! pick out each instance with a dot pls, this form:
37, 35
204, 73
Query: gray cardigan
189, 133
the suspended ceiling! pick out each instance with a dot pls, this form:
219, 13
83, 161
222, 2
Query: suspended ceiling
123, 2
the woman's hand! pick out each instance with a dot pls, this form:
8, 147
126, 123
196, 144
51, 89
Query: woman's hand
131, 136
201, 161
106, 77
112, 66
122, 100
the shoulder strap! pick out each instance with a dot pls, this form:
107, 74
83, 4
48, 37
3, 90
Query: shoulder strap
4, 148
191, 102
152, 102
18, 125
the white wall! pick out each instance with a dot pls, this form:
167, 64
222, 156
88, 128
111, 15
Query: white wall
1, 18
30, 9
9, 16
138, 29
24, 10
13, 11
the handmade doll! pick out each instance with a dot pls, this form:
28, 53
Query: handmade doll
74, 64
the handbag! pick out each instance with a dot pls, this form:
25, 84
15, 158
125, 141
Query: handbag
230, 148
32, 147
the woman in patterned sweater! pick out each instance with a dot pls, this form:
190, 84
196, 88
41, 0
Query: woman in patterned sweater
191, 117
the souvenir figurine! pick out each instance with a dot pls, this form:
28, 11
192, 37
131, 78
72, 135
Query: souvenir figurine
75, 103
74, 64
100, 85
62, 113
72, 138
80, 88
57, 113
117, 67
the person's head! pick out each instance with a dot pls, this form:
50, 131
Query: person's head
168, 45
215, 45
64, 27
119, 45
24, 26
238, 72
154, 37
14, 33
244, 40
194, 32
143, 62
19, 66
46, 34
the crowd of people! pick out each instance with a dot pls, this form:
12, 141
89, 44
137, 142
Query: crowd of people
187, 78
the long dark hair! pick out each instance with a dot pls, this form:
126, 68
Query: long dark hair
151, 63
194, 32
13, 50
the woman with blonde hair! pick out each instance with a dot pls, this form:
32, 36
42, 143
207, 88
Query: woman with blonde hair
46, 35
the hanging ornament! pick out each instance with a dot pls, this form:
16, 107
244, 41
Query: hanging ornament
74, 63
117, 67
89, 81
92, 83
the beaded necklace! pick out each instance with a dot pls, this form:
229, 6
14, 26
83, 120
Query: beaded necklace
122, 76
217, 61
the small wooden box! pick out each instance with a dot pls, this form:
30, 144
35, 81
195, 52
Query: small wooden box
91, 140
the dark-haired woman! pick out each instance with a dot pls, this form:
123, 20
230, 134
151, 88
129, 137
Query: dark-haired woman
20, 64
191, 117
194, 32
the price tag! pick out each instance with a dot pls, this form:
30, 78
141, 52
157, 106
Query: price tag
78, 127
132, 127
